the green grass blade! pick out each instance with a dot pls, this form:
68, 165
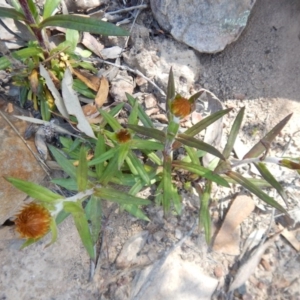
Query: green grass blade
84, 24
119, 197
6, 12
49, 7
63, 162
201, 171
141, 112
151, 133
82, 226
255, 190
204, 216
34, 190
82, 171
93, 212
267, 175
192, 142
259, 148
233, 133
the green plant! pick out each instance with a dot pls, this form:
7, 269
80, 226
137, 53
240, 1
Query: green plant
119, 157
25, 63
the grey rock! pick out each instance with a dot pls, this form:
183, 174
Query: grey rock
129, 253
120, 85
175, 279
207, 26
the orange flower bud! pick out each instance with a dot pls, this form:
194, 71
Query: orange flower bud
33, 221
123, 136
181, 107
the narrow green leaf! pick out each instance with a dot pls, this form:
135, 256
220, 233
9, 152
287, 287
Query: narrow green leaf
259, 148
146, 145
82, 171
110, 170
67, 183
82, 88
116, 109
103, 157
94, 214
290, 164
167, 184
113, 123
194, 97
136, 212
27, 52
64, 163
82, 226
201, 171
170, 90
62, 215
152, 133
192, 142
100, 149
193, 155
233, 133
204, 216
33, 9
72, 39
255, 190
16, 5
133, 117
176, 200
49, 7
152, 156
141, 112
119, 197
267, 175
206, 122
53, 229
34, 190
261, 183
28, 243
4, 63
122, 153
139, 167
84, 24
6, 12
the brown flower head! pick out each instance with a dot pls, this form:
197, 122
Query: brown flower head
181, 107
123, 136
33, 221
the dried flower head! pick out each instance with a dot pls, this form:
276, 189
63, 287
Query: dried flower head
123, 136
33, 221
181, 107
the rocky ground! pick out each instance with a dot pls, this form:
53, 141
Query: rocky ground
169, 259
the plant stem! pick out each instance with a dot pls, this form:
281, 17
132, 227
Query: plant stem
33, 24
